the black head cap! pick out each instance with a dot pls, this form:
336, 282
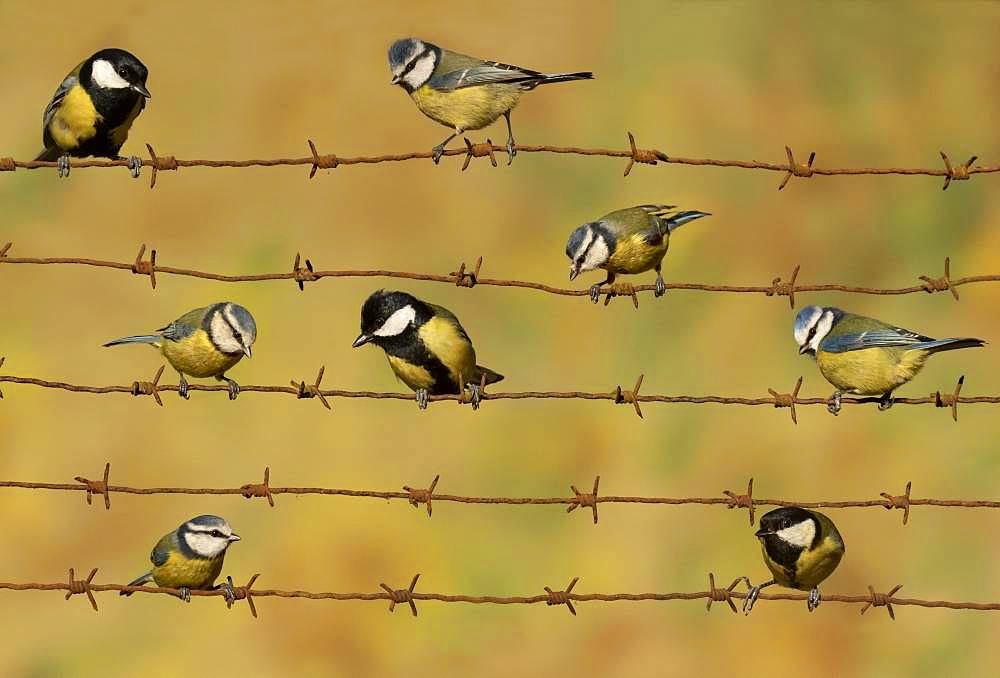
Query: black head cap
781, 518
126, 65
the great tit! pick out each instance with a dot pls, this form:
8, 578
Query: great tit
632, 240
463, 92
865, 356
93, 109
801, 548
428, 349
191, 557
205, 342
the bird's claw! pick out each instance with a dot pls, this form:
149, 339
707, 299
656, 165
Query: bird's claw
184, 593
422, 396
182, 388
833, 407
234, 388
885, 402
511, 150
477, 395
595, 293
752, 594
437, 151
814, 599
661, 287
227, 591
134, 165
62, 166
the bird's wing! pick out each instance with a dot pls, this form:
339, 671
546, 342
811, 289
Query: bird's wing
875, 338
488, 73
184, 326
442, 312
65, 86
162, 549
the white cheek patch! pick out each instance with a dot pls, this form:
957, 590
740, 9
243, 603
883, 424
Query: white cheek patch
421, 71
104, 75
204, 544
800, 534
222, 335
802, 332
597, 256
397, 323
822, 329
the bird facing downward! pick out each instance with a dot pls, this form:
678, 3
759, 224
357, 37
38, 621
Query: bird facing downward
632, 240
463, 92
801, 548
864, 356
93, 109
205, 342
191, 557
427, 348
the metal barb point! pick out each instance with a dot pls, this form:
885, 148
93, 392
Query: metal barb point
478, 151
251, 490
641, 155
941, 284
312, 390
742, 500
797, 169
960, 173
716, 595
244, 592
465, 278
142, 267
787, 399
302, 275
902, 501
877, 599
420, 496
99, 487
785, 289
584, 499
562, 597
950, 399
159, 163
149, 387
631, 397
321, 161
77, 586
402, 595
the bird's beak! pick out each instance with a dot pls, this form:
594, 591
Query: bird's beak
141, 89
762, 533
804, 349
395, 80
246, 351
361, 340
234, 537
573, 272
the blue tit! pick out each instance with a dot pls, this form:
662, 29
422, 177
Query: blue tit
191, 557
427, 348
801, 548
864, 356
463, 92
93, 109
205, 342
632, 240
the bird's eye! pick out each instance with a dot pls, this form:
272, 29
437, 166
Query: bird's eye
123, 71
217, 533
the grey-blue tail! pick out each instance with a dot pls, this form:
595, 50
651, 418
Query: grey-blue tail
50, 154
938, 345
491, 376
144, 579
681, 218
564, 77
138, 339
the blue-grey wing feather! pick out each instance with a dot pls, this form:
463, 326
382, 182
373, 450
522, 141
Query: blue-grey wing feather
880, 338
487, 74
64, 87
176, 331
161, 552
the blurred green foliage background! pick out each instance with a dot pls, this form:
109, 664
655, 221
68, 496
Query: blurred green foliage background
884, 84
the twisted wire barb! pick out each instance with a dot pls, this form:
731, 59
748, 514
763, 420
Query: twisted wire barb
420, 496
634, 155
557, 597
462, 277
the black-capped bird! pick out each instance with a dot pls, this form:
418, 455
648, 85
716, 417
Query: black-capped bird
93, 109
463, 92
428, 349
801, 548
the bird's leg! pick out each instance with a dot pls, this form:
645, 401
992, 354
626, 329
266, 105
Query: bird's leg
134, 165
511, 146
477, 395
753, 594
439, 149
595, 290
62, 166
422, 395
184, 593
885, 402
661, 286
227, 591
182, 387
813, 601
234, 388
834, 406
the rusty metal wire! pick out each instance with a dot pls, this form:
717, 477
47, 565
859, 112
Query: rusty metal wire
619, 395
470, 277
634, 155
558, 597
426, 496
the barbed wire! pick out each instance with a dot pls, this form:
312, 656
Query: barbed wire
557, 597
619, 396
469, 277
635, 155
426, 496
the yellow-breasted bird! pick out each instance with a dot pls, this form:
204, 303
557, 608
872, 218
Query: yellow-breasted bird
93, 109
191, 557
427, 348
801, 548
632, 240
864, 356
205, 342
463, 92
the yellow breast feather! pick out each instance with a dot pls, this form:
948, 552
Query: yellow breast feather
75, 121
196, 356
414, 376
634, 255
469, 108
450, 346
870, 371
193, 573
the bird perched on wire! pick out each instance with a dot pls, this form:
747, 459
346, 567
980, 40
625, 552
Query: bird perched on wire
632, 240
864, 356
463, 92
190, 558
427, 348
801, 548
205, 342
93, 109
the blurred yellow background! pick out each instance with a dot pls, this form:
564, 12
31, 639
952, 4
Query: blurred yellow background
861, 84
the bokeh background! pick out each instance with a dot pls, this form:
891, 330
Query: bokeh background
861, 84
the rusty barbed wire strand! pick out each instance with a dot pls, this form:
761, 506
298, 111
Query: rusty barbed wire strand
464, 277
551, 597
618, 395
635, 155
417, 496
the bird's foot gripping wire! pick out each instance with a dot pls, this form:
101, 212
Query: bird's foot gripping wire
813, 601
234, 388
62, 166
476, 395
511, 145
885, 402
595, 292
134, 165
182, 388
184, 593
227, 591
833, 407
422, 395
752, 594
661, 287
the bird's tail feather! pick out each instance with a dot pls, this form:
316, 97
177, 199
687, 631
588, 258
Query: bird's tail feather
565, 77
491, 376
144, 579
681, 218
138, 339
939, 345
50, 154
